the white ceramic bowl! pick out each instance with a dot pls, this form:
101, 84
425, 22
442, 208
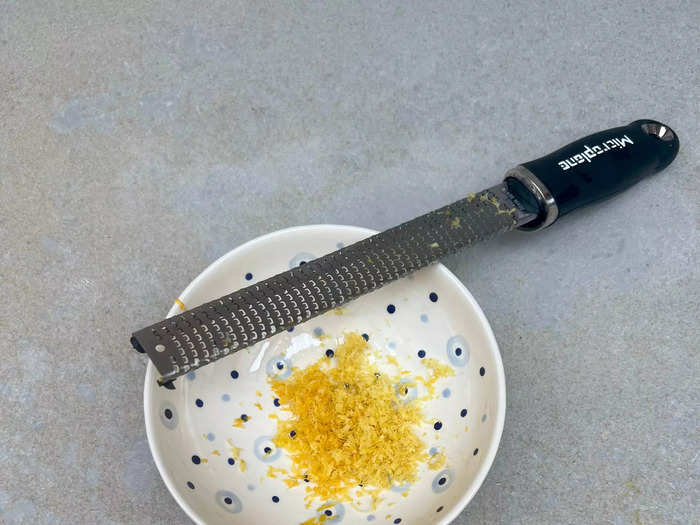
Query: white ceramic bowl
188, 426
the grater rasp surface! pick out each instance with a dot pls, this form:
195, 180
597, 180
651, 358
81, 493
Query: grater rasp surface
215, 329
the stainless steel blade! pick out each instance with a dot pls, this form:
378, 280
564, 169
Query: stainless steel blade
215, 329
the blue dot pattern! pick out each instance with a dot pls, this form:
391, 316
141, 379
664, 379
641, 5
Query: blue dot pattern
423, 318
279, 367
168, 415
421, 353
265, 450
458, 351
225, 398
337, 512
228, 501
211, 437
442, 481
199, 403
406, 390
446, 393
248, 276
301, 258
191, 376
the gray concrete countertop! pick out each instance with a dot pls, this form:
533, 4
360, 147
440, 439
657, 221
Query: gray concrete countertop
139, 141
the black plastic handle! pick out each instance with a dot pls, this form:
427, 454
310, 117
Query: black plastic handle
594, 168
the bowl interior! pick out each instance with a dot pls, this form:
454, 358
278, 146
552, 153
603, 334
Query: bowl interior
190, 428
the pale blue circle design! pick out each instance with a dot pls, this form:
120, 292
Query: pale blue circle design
318, 331
234, 507
172, 422
337, 509
211, 437
251, 487
340, 246
392, 345
301, 257
191, 376
273, 367
424, 318
446, 393
458, 350
225, 398
259, 449
401, 488
483, 418
370, 517
449, 478
433, 451
404, 392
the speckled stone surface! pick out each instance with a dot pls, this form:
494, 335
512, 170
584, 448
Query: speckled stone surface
140, 141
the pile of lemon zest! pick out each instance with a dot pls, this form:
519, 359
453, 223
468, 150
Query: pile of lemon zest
349, 429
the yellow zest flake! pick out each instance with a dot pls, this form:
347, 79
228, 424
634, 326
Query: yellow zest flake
236, 454
258, 393
391, 359
215, 452
239, 422
272, 472
205, 460
180, 304
470, 197
466, 428
455, 223
434, 245
437, 461
348, 428
439, 370
258, 406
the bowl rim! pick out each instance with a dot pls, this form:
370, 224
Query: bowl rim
485, 467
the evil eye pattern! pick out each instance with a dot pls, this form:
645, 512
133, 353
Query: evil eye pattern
279, 367
265, 450
458, 351
168, 415
406, 390
443, 480
228, 501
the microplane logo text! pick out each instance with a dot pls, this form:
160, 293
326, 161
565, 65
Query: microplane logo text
589, 152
